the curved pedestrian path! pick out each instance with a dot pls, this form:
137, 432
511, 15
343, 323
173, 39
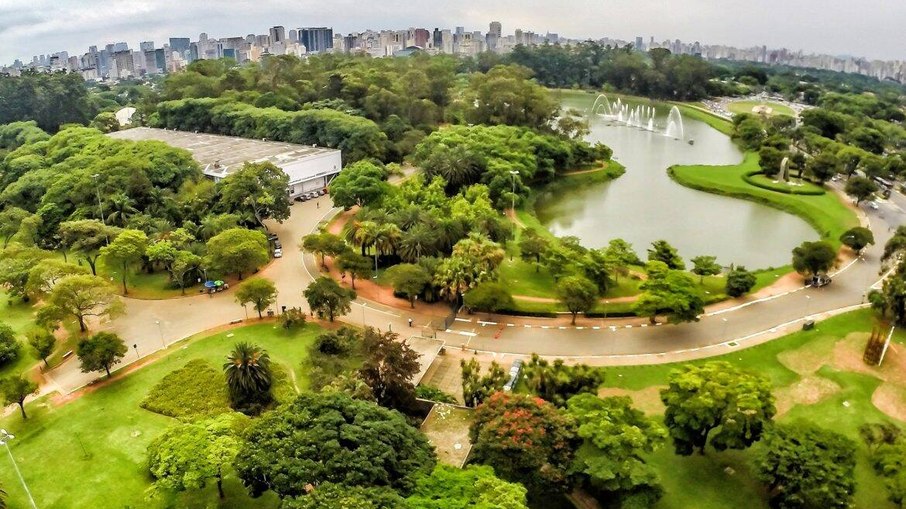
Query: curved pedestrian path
152, 325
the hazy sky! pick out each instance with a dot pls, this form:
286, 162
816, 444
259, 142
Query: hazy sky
871, 28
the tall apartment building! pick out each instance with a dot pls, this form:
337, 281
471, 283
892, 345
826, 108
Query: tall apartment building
316, 39
278, 34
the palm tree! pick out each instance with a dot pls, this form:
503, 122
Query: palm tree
449, 231
362, 234
123, 207
409, 217
248, 373
419, 241
387, 238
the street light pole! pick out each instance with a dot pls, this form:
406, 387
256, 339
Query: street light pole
5, 437
97, 190
364, 305
723, 335
808, 300
160, 332
513, 174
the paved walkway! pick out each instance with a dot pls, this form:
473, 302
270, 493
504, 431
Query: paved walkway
152, 325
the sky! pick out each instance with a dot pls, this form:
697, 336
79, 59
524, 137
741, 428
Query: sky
869, 28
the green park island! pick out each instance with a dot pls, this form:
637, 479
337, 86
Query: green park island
539, 279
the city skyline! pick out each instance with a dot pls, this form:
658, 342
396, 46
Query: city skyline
26, 28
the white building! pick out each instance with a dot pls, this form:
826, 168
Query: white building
309, 168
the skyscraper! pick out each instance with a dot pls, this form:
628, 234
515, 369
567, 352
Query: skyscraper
496, 29
278, 34
180, 45
316, 39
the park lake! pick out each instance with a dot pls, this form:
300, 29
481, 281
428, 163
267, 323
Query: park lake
645, 204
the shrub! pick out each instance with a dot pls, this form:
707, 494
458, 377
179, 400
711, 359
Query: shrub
9, 346
194, 392
434, 394
292, 318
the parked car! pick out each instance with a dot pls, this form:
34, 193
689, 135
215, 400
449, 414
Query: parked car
272, 237
515, 371
278, 253
873, 205
819, 281
277, 244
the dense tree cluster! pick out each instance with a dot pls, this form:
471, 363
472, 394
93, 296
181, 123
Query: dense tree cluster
657, 73
465, 155
49, 99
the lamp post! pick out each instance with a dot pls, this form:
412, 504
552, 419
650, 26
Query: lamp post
723, 334
160, 332
513, 174
97, 190
606, 305
808, 300
5, 437
364, 305
135, 347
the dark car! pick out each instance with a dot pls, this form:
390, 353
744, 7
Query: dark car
819, 281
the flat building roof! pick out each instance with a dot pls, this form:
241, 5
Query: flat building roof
219, 155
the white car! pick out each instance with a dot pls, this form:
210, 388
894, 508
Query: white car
278, 253
873, 205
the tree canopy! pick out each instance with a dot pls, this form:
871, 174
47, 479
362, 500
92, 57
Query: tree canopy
324, 438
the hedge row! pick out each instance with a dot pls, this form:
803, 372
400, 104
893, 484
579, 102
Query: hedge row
358, 137
780, 188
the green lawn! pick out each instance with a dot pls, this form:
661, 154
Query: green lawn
714, 487
90, 452
746, 107
826, 213
19, 316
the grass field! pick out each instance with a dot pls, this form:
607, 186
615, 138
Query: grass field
842, 411
826, 213
90, 452
746, 107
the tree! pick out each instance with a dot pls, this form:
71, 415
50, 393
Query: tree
813, 258
79, 297
324, 438
716, 396
257, 189
331, 495
16, 265
248, 376
15, 389
705, 266
489, 296
473, 486
87, 237
324, 244
860, 188
477, 388
187, 455
259, 291
739, 281
807, 466
389, 369
100, 351
9, 345
823, 166
888, 457
661, 251
616, 440
355, 265
46, 273
184, 263
238, 251
361, 183
556, 382
577, 293
42, 342
10, 220
127, 248
669, 291
857, 238
532, 246
526, 440
328, 299
409, 280
620, 256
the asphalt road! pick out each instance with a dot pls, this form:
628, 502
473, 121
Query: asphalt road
152, 325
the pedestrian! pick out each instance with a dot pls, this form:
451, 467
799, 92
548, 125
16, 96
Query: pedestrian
318, 204
410, 322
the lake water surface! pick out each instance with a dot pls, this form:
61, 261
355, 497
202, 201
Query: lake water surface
645, 205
